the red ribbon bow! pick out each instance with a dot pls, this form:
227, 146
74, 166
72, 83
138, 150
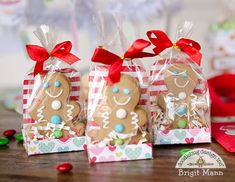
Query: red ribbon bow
40, 55
162, 42
135, 51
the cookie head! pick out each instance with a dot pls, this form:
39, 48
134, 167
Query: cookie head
55, 85
180, 80
125, 93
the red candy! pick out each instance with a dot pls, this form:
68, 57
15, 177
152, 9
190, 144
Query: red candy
9, 133
64, 167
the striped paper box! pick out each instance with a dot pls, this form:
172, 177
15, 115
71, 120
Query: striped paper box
157, 85
30, 86
97, 81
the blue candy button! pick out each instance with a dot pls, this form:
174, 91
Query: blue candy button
56, 119
119, 128
181, 110
46, 85
126, 91
175, 72
184, 75
115, 90
57, 84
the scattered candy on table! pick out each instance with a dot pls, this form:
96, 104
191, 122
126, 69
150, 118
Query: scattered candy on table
183, 151
9, 133
64, 167
3, 141
19, 137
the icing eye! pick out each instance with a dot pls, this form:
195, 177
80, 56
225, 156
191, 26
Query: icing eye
184, 75
46, 85
57, 84
175, 72
115, 90
126, 91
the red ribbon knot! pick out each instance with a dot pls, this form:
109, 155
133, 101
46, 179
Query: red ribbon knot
104, 56
60, 51
162, 42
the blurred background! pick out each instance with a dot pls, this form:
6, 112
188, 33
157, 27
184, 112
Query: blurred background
74, 21
78, 21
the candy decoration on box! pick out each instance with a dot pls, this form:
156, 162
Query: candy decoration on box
116, 118
178, 92
51, 105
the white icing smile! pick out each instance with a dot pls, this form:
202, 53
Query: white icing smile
121, 103
180, 86
54, 96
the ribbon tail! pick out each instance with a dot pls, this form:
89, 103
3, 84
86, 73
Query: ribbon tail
38, 68
114, 73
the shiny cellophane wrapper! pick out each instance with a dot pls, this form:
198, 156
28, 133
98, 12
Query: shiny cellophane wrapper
48, 143
101, 151
179, 100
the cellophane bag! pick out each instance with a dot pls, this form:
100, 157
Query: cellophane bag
117, 118
51, 98
179, 96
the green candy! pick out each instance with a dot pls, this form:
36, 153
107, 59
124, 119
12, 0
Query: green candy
183, 151
3, 141
19, 137
119, 141
181, 123
58, 134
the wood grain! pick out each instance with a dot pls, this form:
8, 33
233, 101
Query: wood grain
15, 165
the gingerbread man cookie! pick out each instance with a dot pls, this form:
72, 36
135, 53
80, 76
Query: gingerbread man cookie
54, 113
119, 118
180, 107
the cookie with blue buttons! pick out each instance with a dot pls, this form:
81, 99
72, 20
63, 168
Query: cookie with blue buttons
54, 114
181, 107
119, 118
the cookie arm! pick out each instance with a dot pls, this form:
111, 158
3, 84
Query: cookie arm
161, 101
142, 115
73, 109
101, 116
36, 111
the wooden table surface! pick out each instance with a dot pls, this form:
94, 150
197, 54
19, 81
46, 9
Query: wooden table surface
15, 165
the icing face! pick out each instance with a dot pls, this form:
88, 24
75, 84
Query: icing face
180, 80
53, 86
125, 93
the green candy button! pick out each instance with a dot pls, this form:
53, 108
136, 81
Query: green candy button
119, 141
19, 137
3, 141
181, 123
58, 134
183, 151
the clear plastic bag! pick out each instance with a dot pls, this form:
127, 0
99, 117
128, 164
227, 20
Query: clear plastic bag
179, 95
51, 100
117, 116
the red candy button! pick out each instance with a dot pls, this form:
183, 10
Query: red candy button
9, 133
64, 167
